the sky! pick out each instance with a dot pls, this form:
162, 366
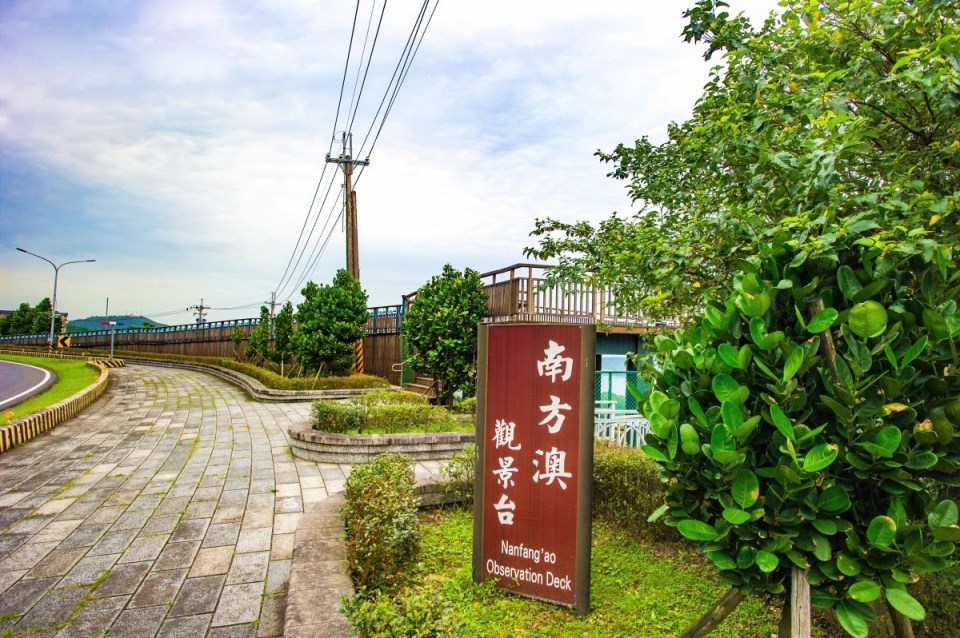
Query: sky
180, 142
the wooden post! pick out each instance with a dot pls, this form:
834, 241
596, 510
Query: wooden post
717, 614
799, 603
815, 305
902, 627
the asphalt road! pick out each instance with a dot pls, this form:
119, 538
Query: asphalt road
19, 382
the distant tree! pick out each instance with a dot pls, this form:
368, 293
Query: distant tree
329, 321
40, 319
22, 320
283, 335
237, 338
441, 324
259, 344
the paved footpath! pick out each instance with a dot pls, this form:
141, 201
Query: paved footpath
167, 508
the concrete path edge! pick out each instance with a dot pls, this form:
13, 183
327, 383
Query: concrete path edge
22, 430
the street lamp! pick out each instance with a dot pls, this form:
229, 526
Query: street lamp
56, 274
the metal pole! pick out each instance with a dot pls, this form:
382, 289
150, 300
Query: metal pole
56, 274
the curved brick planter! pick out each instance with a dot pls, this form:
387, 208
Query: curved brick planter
22, 430
324, 447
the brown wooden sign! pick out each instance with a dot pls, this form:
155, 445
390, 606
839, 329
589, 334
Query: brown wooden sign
533, 491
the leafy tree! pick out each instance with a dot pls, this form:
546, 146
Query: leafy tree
832, 109
807, 420
259, 343
441, 323
329, 321
283, 335
41, 317
236, 337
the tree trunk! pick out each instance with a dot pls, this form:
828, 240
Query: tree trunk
795, 621
717, 614
902, 628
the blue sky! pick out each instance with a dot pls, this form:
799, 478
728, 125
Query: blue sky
179, 143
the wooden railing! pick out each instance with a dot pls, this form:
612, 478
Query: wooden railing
519, 293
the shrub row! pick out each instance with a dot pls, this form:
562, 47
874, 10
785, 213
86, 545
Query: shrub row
387, 412
382, 526
268, 378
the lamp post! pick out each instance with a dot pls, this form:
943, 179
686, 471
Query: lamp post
56, 274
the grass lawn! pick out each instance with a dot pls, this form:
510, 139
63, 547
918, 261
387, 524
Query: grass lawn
638, 589
73, 375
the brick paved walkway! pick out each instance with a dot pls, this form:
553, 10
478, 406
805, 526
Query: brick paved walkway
168, 508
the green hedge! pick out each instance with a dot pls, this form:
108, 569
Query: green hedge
337, 418
384, 412
383, 529
627, 489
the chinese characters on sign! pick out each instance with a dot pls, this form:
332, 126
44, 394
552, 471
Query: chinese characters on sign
533, 512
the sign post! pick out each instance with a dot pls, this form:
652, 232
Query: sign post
534, 488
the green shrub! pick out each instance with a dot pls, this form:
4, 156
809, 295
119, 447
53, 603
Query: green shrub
467, 405
412, 614
383, 529
459, 473
627, 489
393, 418
337, 418
390, 397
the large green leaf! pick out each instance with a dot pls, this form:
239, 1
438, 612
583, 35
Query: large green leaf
847, 281
793, 363
722, 445
725, 388
882, 531
735, 516
654, 453
905, 604
864, 591
822, 320
867, 319
914, 350
888, 440
746, 488
921, 459
935, 323
689, 439
851, 619
848, 565
697, 530
782, 422
819, 457
722, 560
733, 357
943, 515
767, 561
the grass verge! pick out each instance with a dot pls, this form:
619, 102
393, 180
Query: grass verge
638, 588
73, 375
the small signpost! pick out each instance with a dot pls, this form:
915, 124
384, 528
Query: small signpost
63, 341
533, 492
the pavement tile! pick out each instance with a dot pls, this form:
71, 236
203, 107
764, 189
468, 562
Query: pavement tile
144, 548
233, 631
55, 506
122, 497
278, 575
28, 555
12, 498
200, 509
177, 555
9, 578
29, 525
105, 514
57, 530
238, 604
248, 568
95, 616
258, 501
139, 623
114, 542
212, 560
23, 594
190, 530
86, 535
254, 540
52, 610
89, 569
57, 563
286, 523
228, 514
282, 547
198, 596
11, 541
272, 616
132, 519
161, 524
257, 517
123, 580
158, 588
221, 534
185, 626
173, 505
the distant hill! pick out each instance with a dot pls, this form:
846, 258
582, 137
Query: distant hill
129, 321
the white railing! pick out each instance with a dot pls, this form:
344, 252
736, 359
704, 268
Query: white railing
628, 428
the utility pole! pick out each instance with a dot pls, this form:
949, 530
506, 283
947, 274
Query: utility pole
273, 305
200, 311
346, 162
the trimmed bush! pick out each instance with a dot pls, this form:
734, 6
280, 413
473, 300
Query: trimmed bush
466, 406
336, 418
383, 529
393, 418
459, 473
415, 614
390, 397
627, 489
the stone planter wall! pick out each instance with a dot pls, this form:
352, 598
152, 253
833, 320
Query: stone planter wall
324, 447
